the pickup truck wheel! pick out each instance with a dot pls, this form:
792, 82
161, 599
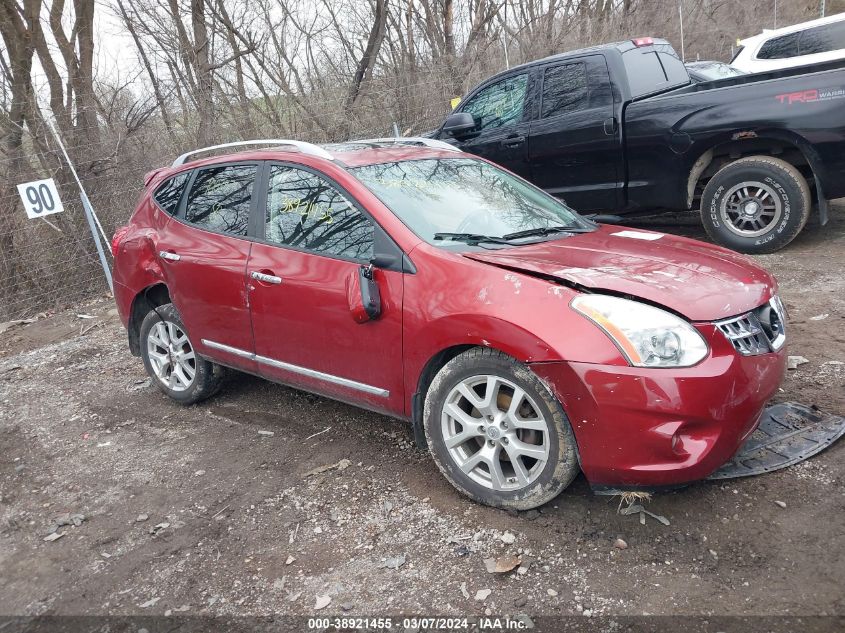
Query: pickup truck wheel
496, 432
170, 359
755, 205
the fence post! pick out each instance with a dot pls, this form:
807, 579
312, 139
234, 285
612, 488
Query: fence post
90, 216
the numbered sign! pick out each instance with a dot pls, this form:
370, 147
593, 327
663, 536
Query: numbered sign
40, 198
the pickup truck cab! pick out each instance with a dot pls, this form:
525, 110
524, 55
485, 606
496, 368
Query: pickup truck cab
621, 128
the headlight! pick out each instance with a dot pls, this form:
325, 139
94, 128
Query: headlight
646, 336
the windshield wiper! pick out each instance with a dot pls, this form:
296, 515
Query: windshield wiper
470, 238
547, 230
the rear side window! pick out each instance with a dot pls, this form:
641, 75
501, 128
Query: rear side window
220, 199
780, 47
564, 89
167, 196
308, 212
653, 68
822, 39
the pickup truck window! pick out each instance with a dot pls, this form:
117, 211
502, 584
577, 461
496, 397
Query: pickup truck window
499, 104
564, 89
652, 69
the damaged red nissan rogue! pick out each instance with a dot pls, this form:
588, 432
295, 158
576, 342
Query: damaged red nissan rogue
525, 343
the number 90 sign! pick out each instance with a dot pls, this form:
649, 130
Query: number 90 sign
40, 198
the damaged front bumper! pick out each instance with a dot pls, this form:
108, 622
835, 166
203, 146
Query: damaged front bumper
788, 433
656, 428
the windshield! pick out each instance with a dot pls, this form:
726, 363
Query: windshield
448, 197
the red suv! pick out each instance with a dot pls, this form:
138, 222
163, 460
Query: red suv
523, 341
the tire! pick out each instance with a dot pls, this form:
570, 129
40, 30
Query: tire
777, 199
172, 374
539, 480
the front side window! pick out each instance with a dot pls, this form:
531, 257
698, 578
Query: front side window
220, 199
167, 196
500, 104
308, 212
564, 89
463, 195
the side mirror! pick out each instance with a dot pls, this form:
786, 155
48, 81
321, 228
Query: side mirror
370, 295
459, 124
384, 261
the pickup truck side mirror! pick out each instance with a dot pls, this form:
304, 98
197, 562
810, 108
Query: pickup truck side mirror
459, 124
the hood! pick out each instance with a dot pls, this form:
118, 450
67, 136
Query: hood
697, 280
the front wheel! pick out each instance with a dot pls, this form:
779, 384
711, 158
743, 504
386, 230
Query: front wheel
171, 361
755, 205
496, 432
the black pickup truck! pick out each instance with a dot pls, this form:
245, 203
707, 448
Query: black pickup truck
621, 129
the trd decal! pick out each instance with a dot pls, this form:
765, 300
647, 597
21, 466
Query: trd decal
810, 96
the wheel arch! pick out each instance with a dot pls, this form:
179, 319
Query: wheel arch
786, 146
151, 297
511, 340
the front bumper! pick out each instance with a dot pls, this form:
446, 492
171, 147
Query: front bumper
641, 427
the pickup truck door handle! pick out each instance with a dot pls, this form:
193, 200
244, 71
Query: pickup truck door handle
267, 279
610, 126
169, 256
513, 141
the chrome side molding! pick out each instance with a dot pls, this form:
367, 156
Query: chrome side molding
296, 369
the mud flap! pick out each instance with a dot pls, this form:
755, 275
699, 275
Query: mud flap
788, 434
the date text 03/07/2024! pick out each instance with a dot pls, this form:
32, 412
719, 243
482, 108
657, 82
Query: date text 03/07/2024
422, 623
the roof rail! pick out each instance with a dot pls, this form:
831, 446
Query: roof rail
302, 146
409, 140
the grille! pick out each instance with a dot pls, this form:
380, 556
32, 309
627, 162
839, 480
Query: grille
760, 331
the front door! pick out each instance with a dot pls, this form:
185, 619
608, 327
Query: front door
203, 253
575, 149
501, 130
303, 289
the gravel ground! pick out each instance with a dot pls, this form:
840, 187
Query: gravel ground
269, 501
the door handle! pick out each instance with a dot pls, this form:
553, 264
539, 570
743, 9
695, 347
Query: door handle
169, 255
267, 279
513, 141
610, 126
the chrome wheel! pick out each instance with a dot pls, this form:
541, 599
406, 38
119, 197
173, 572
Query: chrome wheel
751, 209
171, 356
495, 433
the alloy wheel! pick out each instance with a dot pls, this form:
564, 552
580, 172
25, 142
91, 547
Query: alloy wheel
751, 209
171, 355
495, 433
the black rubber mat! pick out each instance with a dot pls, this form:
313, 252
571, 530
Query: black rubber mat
788, 433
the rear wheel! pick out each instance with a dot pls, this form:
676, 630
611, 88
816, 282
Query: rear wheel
496, 432
756, 205
171, 361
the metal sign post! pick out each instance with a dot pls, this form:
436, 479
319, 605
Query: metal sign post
90, 216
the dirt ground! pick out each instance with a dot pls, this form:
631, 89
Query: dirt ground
222, 508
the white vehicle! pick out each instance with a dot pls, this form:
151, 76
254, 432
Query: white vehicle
811, 42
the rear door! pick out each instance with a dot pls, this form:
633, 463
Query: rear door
575, 147
303, 287
203, 252
501, 111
